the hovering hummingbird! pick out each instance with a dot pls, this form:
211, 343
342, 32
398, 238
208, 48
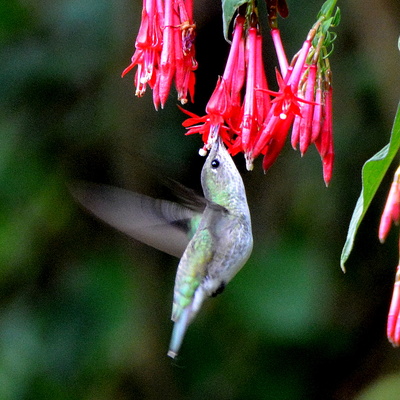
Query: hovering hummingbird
212, 236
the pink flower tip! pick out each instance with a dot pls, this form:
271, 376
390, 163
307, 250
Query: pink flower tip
393, 321
391, 211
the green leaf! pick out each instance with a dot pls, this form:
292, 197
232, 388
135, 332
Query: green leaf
327, 8
372, 174
337, 17
228, 11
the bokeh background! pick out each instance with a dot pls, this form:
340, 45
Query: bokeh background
85, 311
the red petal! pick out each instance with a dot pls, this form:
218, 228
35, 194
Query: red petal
393, 323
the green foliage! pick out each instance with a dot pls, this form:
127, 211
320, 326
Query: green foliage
229, 8
327, 8
372, 174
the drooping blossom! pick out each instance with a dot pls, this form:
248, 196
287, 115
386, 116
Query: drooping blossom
223, 108
240, 102
303, 101
393, 321
256, 103
165, 50
309, 97
324, 142
314, 123
218, 110
241, 108
275, 7
391, 212
148, 46
283, 109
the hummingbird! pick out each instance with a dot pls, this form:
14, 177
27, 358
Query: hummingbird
212, 236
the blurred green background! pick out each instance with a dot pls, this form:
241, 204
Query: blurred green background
84, 311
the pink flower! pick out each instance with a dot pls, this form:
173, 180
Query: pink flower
239, 120
218, 110
276, 141
391, 212
286, 101
165, 50
256, 103
284, 107
318, 116
393, 322
241, 106
223, 108
280, 52
148, 46
278, 121
324, 142
234, 75
307, 110
185, 78
314, 122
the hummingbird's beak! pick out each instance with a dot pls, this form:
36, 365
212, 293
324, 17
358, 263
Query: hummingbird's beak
218, 141
216, 146
214, 134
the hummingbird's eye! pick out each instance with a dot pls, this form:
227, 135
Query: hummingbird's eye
215, 163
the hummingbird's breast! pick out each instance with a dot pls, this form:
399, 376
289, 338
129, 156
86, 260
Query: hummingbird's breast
234, 244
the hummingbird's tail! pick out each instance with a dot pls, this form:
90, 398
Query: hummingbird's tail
178, 332
184, 320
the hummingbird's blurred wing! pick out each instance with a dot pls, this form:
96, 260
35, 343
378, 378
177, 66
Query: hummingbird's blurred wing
162, 224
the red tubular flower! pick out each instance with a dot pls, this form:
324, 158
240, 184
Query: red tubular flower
256, 104
223, 108
283, 108
280, 52
165, 51
318, 108
391, 212
168, 57
219, 106
327, 164
314, 122
296, 101
324, 143
326, 130
307, 110
218, 110
300, 60
239, 123
248, 125
295, 132
186, 62
235, 73
259, 125
262, 102
185, 78
262, 98
393, 321
148, 46
276, 142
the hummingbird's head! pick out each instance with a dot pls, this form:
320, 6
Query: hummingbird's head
220, 179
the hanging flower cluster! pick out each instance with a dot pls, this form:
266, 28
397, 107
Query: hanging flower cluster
165, 50
255, 120
391, 213
249, 117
